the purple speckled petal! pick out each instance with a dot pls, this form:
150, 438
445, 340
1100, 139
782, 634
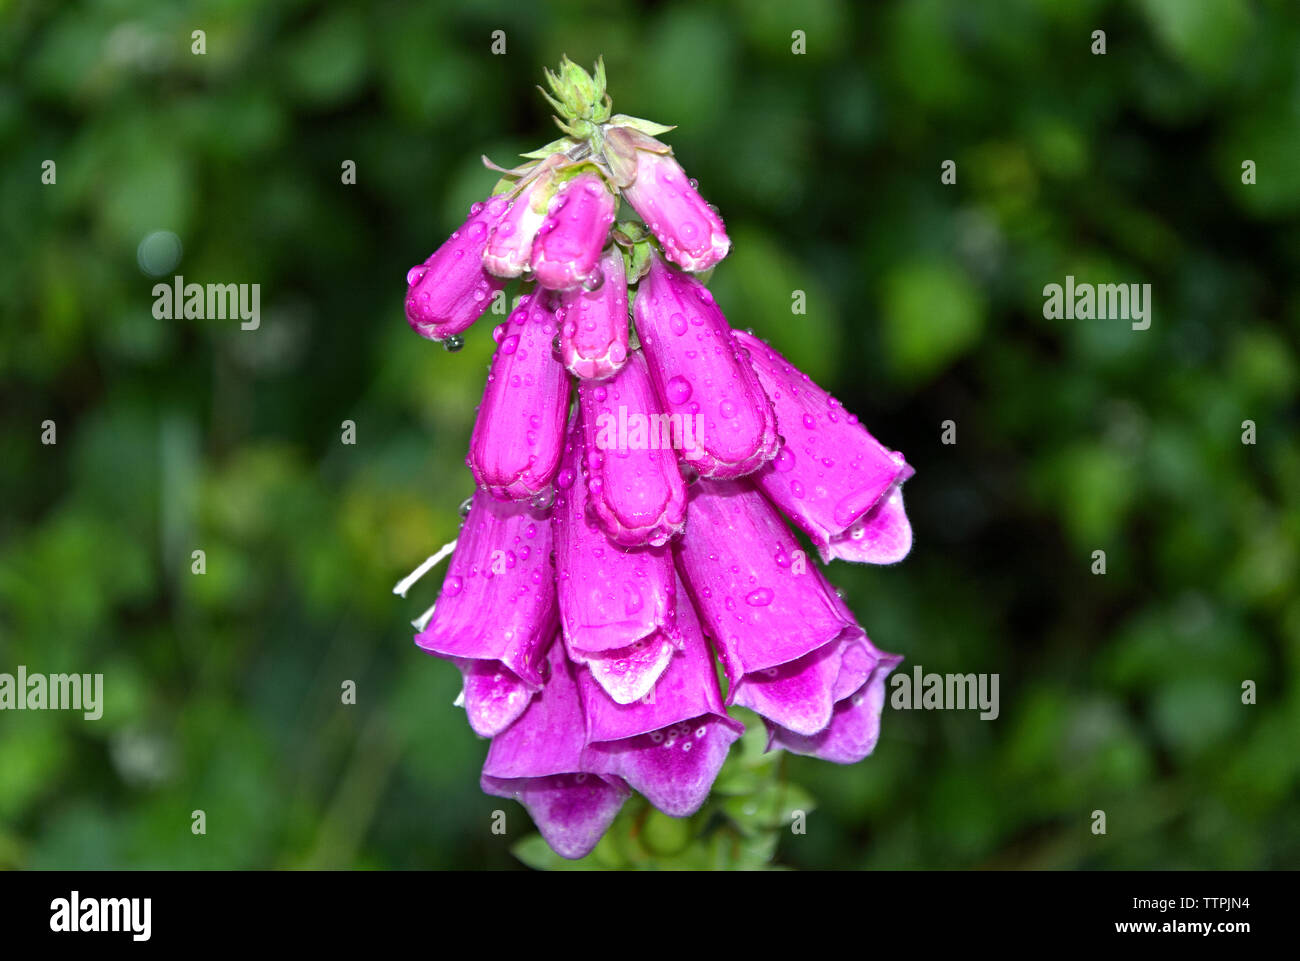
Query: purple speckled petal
628, 674
515, 449
572, 811
498, 598
757, 595
636, 489
700, 373
538, 762
493, 696
450, 290
569, 242
593, 323
670, 746
830, 471
687, 689
855, 723
690, 231
610, 597
882, 536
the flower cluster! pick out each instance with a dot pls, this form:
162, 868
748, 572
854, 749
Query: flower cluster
596, 581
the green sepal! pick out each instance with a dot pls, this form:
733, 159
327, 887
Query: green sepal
640, 124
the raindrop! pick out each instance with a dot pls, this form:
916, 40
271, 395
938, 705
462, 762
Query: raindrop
453, 344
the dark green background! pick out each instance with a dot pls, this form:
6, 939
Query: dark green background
1119, 692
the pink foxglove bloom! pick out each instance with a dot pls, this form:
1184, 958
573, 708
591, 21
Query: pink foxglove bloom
618, 607
613, 554
689, 230
699, 372
539, 762
569, 242
830, 472
502, 564
450, 290
636, 488
519, 434
593, 323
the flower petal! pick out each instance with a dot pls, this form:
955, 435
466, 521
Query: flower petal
628, 674
757, 596
498, 598
854, 727
669, 746
636, 492
881, 536
690, 231
518, 435
450, 290
493, 696
572, 811
673, 768
687, 689
699, 372
569, 242
538, 762
830, 471
609, 596
593, 323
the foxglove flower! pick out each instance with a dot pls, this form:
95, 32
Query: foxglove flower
569, 242
539, 762
830, 472
508, 249
502, 564
689, 230
519, 434
617, 607
611, 554
699, 372
450, 290
593, 323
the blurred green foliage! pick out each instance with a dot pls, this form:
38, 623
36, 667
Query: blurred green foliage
1119, 692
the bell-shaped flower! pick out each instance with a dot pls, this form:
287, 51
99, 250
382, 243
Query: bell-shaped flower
593, 323
830, 472
539, 762
497, 610
617, 605
450, 290
783, 633
567, 247
670, 745
636, 488
701, 375
519, 434
690, 231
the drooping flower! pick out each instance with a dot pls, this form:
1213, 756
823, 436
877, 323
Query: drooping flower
830, 472
502, 564
617, 607
611, 554
637, 491
539, 762
450, 290
519, 433
593, 323
699, 373
570, 240
690, 231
